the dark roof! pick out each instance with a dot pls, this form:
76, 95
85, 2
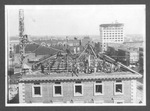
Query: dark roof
45, 51
51, 41
112, 25
37, 76
28, 48
87, 37
60, 47
41, 50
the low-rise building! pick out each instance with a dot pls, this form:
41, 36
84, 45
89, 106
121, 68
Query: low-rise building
136, 44
126, 54
88, 80
86, 40
117, 87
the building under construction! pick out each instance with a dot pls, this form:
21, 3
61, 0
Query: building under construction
85, 77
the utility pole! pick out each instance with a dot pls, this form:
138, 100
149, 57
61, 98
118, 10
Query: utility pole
23, 39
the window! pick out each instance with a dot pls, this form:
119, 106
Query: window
57, 89
37, 90
118, 87
78, 89
98, 88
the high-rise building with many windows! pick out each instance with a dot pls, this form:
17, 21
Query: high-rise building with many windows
111, 33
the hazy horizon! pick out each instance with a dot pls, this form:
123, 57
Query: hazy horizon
66, 35
73, 20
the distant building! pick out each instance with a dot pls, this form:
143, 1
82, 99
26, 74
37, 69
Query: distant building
111, 33
134, 57
123, 53
119, 54
60, 42
97, 47
134, 38
86, 40
124, 56
73, 44
137, 44
12, 48
28, 49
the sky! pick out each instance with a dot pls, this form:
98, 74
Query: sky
73, 19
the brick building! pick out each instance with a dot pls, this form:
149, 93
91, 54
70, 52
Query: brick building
96, 81
124, 53
117, 87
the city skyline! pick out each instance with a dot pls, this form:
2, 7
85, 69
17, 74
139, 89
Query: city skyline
75, 19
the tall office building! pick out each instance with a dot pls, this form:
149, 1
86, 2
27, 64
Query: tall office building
111, 33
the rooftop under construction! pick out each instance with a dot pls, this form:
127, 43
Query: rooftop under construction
87, 62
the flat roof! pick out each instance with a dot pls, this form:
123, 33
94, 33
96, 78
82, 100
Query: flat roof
38, 76
112, 25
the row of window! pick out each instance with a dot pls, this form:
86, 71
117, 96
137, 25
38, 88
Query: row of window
117, 41
114, 41
105, 40
78, 89
112, 30
117, 28
112, 35
113, 38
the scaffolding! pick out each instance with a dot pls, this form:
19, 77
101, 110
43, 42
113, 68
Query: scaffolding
23, 39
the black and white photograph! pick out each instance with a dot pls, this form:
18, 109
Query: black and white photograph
75, 55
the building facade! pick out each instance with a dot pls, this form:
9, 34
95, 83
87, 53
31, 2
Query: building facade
127, 54
111, 33
117, 87
134, 57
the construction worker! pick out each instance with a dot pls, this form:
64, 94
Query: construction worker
74, 69
42, 68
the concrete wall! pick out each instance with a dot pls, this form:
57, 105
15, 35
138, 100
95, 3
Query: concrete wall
88, 92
